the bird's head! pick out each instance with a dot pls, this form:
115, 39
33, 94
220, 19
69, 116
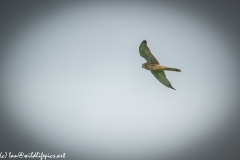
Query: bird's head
144, 65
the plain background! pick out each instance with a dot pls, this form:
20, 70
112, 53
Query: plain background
72, 82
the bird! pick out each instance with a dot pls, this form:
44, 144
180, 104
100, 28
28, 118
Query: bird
154, 66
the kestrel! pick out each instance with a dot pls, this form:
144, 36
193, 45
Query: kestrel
154, 66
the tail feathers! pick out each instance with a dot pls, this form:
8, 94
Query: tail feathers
173, 69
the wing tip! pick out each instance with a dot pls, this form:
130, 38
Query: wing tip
172, 87
144, 41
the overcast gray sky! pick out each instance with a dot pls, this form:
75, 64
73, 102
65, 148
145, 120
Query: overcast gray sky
73, 79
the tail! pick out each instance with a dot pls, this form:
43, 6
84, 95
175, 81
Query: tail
172, 69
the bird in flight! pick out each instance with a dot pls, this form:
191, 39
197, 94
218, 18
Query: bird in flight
154, 66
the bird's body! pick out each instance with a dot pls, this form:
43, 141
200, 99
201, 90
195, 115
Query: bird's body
154, 66
150, 66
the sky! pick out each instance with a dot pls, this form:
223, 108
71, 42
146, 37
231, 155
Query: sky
72, 80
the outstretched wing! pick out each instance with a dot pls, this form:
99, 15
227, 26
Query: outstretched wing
161, 77
146, 53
